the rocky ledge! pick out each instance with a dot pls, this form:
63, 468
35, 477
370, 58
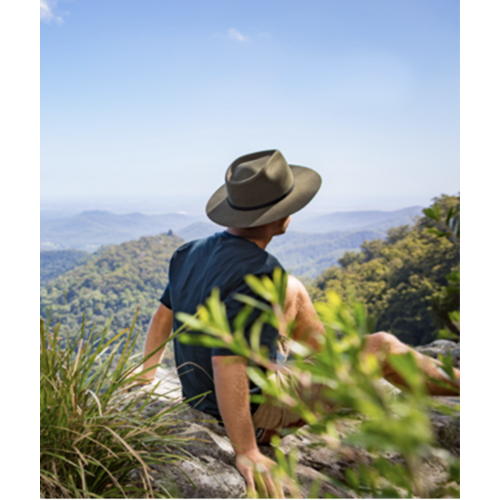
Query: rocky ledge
209, 470
442, 347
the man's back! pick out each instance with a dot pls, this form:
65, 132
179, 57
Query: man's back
222, 260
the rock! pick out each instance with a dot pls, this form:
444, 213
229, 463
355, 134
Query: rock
444, 347
209, 471
202, 477
446, 424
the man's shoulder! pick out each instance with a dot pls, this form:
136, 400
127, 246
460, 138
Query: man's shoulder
270, 263
231, 250
199, 243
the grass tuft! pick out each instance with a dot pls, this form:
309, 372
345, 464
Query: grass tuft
98, 436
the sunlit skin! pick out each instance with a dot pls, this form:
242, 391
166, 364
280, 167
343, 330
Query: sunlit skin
262, 235
230, 378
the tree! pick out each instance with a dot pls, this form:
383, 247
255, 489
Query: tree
408, 281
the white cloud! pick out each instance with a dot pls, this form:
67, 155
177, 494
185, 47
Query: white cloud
47, 11
236, 35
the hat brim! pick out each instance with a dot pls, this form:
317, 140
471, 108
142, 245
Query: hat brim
307, 184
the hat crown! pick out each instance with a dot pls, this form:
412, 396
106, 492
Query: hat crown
258, 179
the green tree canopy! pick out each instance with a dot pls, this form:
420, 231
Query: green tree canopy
56, 262
407, 281
113, 283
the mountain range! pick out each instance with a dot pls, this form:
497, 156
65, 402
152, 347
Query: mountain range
91, 229
357, 220
311, 245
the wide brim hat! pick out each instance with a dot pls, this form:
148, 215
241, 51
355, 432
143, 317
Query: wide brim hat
261, 188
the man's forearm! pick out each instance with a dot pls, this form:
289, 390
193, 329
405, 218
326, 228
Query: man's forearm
159, 331
233, 399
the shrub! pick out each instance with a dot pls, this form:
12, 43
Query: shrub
390, 423
99, 438
404, 280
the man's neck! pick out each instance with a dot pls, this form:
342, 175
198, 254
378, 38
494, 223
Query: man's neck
261, 236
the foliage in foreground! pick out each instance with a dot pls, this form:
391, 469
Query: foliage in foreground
97, 439
397, 424
408, 282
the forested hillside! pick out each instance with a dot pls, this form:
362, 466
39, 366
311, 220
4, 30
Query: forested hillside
114, 282
407, 281
56, 262
402, 279
307, 255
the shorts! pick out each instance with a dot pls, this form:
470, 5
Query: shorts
273, 415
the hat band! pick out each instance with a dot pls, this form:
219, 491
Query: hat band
264, 205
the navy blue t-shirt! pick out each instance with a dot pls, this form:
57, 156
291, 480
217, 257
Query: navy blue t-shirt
222, 260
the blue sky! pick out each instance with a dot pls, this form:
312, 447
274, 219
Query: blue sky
151, 100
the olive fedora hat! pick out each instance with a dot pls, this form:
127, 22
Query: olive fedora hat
261, 188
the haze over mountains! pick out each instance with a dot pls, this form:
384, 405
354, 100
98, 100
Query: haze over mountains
357, 220
312, 243
91, 229
308, 254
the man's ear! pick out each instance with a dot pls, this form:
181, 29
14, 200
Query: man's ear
281, 225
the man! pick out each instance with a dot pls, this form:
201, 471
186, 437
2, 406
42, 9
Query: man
260, 193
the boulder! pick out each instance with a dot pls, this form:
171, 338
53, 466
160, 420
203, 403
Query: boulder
208, 470
443, 347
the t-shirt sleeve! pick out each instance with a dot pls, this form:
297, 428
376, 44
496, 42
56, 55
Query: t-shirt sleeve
269, 334
165, 298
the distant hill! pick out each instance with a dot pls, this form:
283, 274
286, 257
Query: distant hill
307, 255
113, 282
375, 220
199, 230
92, 229
51, 214
312, 245
56, 262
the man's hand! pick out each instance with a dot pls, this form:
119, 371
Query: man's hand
233, 398
255, 468
145, 379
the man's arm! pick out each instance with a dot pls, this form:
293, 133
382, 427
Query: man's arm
299, 309
159, 331
233, 400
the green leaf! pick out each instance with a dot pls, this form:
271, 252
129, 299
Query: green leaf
447, 365
253, 302
280, 280
257, 286
455, 471
433, 212
447, 334
242, 317
352, 479
406, 366
255, 332
201, 340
